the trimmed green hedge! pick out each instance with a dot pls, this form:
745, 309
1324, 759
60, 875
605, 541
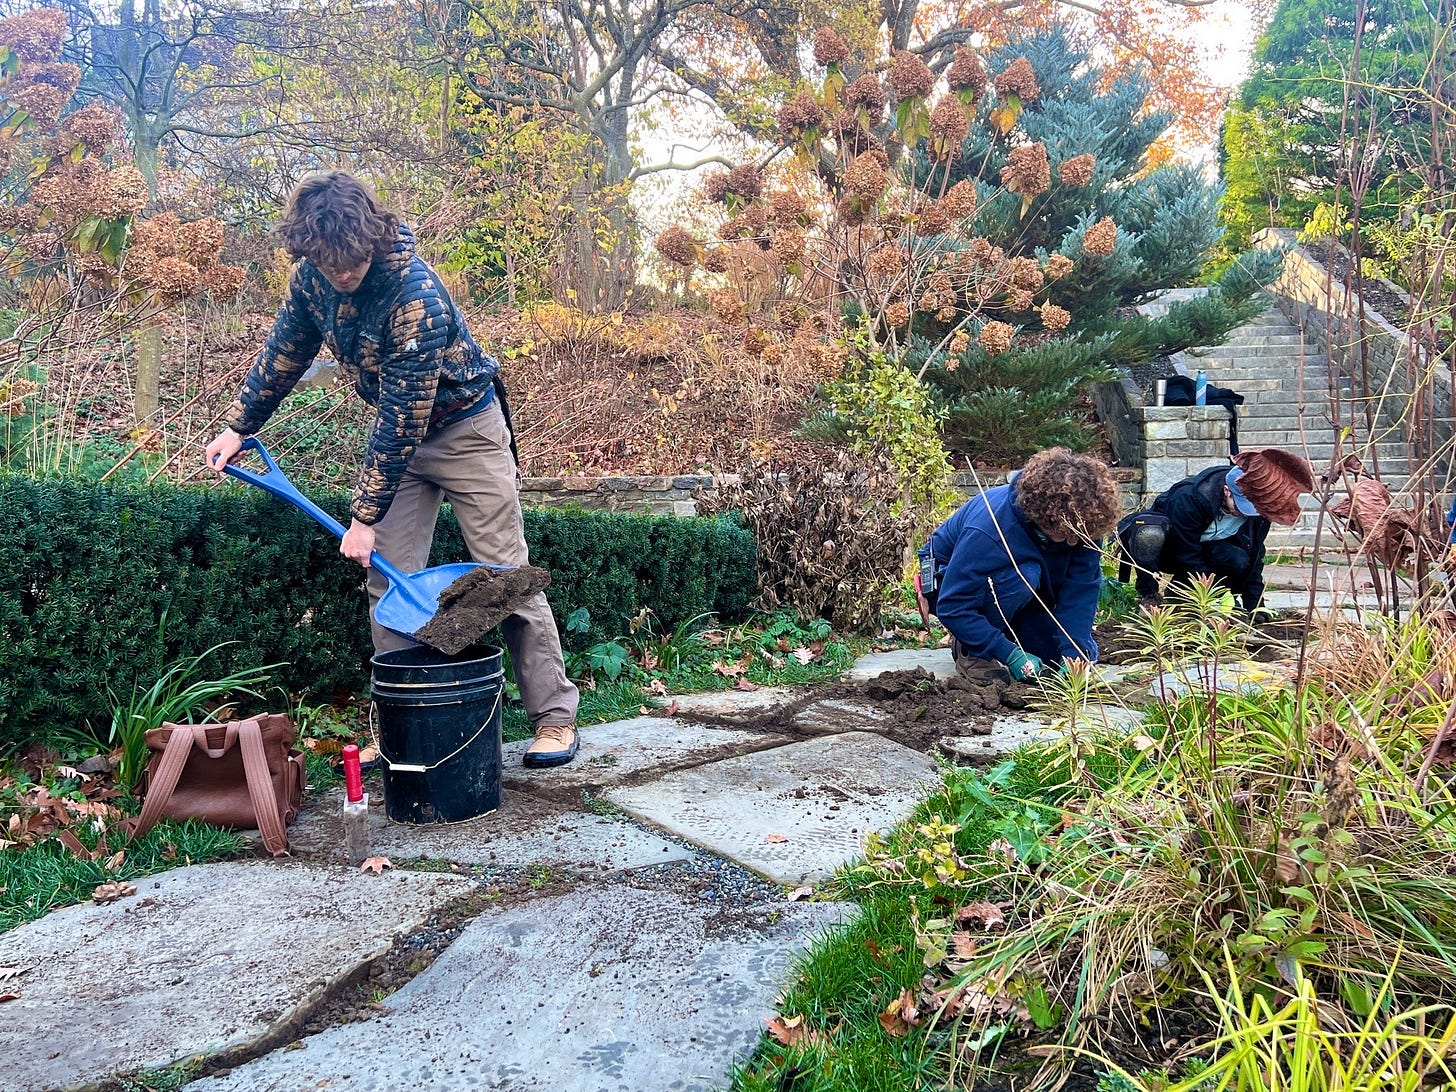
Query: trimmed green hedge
102, 588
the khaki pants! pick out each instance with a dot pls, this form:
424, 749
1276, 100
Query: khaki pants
469, 464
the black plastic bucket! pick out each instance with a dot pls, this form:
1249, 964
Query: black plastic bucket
439, 723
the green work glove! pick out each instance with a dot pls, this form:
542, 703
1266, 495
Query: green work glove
1023, 665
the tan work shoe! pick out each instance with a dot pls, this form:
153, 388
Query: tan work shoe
554, 745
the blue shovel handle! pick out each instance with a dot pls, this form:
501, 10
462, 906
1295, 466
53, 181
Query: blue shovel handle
277, 483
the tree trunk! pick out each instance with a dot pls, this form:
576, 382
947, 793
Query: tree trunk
148, 373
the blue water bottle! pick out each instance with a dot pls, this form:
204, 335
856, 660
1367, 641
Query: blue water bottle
1200, 388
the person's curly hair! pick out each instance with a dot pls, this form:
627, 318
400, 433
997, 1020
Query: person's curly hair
336, 222
1062, 491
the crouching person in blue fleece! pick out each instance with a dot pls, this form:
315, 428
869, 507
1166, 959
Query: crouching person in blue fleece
1014, 574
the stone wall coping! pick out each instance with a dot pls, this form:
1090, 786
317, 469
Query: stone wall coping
1182, 413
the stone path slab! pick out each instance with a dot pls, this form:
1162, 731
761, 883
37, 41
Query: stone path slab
795, 813
938, 661
202, 959
602, 989
611, 752
843, 715
525, 831
1008, 733
744, 705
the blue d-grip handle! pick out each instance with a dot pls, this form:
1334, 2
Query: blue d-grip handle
277, 483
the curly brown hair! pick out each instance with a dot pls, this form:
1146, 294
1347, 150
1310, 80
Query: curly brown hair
1063, 492
335, 221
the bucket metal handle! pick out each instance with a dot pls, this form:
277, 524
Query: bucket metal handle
409, 767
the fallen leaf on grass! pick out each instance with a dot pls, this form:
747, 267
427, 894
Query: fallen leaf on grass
368, 754
963, 944
110, 892
987, 915
799, 893
376, 865
658, 687
114, 861
743, 684
775, 839
728, 671
668, 710
901, 1015
803, 655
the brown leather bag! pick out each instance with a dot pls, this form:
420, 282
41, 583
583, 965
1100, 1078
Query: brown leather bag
242, 774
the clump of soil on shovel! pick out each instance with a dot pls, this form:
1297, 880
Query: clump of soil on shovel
477, 602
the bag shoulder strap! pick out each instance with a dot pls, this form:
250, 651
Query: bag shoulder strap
260, 789
164, 780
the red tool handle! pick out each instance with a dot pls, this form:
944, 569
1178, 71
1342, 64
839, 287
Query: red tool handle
353, 776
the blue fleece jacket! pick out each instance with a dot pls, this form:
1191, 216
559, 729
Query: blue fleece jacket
990, 559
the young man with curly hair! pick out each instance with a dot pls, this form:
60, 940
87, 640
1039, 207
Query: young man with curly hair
440, 431
1015, 573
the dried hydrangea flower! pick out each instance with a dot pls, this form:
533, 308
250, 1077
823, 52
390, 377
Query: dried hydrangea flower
755, 341
949, 126
787, 207
1100, 238
223, 282
1026, 274
959, 202
677, 246
787, 245
966, 72
1018, 79
122, 191
798, 116
852, 212
898, 313
829, 47
1054, 318
1058, 266
866, 177
35, 35
1028, 172
745, 181
959, 342
1077, 171
716, 260
886, 261
93, 125
995, 337
725, 304
172, 279
910, 77
865, 93
932, 220
716, 185
1019, 299
201, 241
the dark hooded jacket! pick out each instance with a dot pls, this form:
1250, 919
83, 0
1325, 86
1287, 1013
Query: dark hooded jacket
1191, 506
990, 560
402, 342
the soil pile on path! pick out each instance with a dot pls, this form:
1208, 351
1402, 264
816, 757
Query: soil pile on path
478, 602
914, 708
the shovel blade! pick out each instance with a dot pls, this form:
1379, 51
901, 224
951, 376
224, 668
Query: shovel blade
411, 602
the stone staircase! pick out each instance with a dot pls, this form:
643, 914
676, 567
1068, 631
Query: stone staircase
1289, 400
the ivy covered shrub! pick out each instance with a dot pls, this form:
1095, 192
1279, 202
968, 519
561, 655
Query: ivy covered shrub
103, 588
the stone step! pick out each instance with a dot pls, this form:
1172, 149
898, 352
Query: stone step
1281, 339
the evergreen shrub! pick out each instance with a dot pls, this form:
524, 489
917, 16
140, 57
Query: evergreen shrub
104, 587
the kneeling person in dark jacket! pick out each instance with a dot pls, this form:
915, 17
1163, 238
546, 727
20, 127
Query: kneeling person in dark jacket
1215, 523
1017, 570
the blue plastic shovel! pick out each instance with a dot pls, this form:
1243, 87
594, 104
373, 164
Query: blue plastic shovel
412, 598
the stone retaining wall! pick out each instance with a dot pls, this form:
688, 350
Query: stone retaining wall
672, 495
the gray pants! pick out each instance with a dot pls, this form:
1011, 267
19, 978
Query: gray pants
469, 464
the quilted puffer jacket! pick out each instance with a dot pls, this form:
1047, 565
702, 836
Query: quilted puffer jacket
402, 342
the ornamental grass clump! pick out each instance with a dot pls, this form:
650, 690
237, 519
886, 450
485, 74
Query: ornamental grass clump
1249, 837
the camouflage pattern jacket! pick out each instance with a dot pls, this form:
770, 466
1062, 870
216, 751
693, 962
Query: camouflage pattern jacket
402, 342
